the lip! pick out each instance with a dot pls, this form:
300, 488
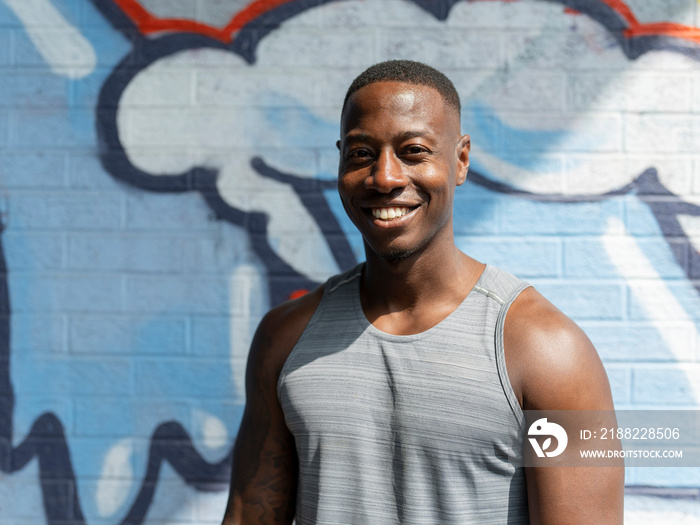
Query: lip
393, 223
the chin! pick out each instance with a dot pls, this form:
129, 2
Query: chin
393, 252
394, 256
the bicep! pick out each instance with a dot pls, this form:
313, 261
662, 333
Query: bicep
557, 368
575, 495
263, 481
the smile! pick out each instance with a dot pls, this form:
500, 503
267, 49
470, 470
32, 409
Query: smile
389, 214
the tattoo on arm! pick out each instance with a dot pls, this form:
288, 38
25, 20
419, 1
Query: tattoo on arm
265, 460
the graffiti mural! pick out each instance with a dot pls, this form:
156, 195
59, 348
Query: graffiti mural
168, 174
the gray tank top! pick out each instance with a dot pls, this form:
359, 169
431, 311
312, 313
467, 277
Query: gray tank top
406, 429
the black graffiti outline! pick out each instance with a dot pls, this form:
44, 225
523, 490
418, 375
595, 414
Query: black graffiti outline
203, 180
46, 439
245, 45
605, 15
664, 205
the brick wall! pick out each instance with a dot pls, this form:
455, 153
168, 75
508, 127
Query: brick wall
163, 183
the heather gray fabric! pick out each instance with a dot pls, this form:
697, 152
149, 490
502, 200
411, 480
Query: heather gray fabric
415, 429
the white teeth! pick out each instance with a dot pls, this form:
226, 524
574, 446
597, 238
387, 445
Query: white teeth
387, 214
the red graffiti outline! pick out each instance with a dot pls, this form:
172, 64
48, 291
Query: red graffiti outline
654, 29
149, 24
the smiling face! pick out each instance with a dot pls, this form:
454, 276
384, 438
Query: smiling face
401, 157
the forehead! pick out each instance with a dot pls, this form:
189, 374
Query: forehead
398, 103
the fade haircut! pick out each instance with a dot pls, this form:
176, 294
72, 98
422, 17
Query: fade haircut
408, 72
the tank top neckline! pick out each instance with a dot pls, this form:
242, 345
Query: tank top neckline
366, 326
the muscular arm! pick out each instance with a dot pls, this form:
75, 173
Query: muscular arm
553, 366
263, 481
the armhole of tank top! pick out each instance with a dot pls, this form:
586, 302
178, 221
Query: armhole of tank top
331, 286
283, 371
501, 357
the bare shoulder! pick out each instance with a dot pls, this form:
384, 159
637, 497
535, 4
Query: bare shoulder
553, 365
551, 362
281, 328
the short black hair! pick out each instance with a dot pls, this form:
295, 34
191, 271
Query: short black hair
409, 72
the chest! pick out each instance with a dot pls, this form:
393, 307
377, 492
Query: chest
427, 393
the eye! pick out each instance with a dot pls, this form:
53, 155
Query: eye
358, 153
415, 150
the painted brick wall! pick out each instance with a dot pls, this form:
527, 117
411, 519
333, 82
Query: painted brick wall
167, 174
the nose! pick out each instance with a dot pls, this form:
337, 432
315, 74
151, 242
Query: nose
387, 174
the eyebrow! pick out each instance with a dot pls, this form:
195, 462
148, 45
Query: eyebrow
356, 137
415, 134
404, 135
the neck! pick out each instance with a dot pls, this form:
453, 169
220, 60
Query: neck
421, 278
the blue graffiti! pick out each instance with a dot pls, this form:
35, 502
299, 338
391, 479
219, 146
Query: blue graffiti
122, 54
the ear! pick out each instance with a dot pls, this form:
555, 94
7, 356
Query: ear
463, 147
337, 145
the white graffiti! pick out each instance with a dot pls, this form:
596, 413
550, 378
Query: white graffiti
662, 307
553, 105
248, 303
117, 477
215, 117
67, 52
214, 434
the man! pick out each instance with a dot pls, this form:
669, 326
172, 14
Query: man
395, 392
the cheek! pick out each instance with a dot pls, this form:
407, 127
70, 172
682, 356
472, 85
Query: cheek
349, 184
436, 184
342, 189
343, 193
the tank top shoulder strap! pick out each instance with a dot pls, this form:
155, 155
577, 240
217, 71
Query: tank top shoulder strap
335, 282
336, 304
504, 288
499, 285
